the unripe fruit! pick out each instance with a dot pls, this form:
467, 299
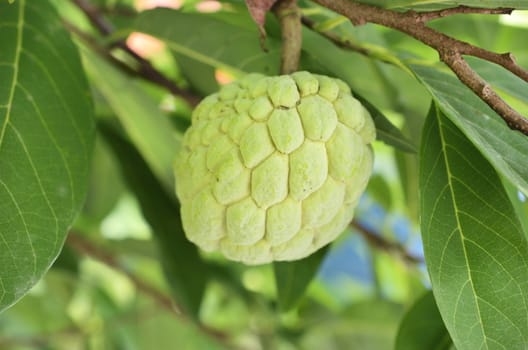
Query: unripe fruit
273, 167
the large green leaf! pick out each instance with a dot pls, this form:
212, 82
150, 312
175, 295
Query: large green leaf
474, 247
46, 136
211, 41
505, 149
185, 271
293, 277
148, 128
422, 327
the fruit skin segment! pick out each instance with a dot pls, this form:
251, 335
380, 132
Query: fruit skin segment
271, 168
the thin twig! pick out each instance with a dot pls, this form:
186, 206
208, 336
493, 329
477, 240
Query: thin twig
86, 247
102, 51
95, 18
341, 42
336, 39
105, 53
381, 243
450, 49
145, 69
289, 17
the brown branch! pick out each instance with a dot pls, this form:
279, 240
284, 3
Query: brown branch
105, 52
430, 15
95, 18
381, 243
450, 50
85, 247
145, 69
102, 51
484, 90
289, 17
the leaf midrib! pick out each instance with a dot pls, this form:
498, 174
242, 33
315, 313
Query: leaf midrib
16, 63
459, 226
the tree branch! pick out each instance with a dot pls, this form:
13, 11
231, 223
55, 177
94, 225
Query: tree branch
145, 69
381, 243
85, 247
450, 49
289, 17
430, 15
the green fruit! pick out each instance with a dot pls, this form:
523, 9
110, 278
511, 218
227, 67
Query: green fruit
273, 167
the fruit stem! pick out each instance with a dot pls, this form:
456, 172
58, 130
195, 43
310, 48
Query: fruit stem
289, 17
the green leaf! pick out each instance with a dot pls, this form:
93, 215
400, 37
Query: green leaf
211, 41
200, 76
355, 69
105, 186
520, 206
506, 150
46, 136
500, 78
293, 277
364, 325
148, 128
474, 247
422, 327
385, 130
185, 271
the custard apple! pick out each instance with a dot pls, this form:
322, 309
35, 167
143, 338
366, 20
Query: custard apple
273, 167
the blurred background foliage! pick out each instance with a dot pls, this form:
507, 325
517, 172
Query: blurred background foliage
109, 290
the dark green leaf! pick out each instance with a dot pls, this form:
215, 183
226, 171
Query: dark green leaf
46, 136
185, 271
67, 261
293, 277
385, 130
422, 327
105, 185
505, 149
380, 191
201, 77
474, 247
407, 165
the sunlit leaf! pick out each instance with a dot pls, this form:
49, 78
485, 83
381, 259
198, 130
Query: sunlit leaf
148, 128
46, 136
211, 41
474, 247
